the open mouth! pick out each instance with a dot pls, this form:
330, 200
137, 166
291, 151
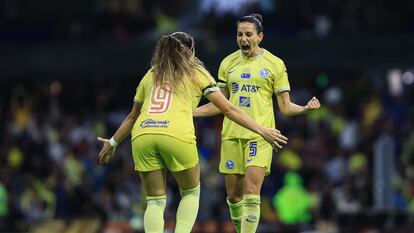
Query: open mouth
245, 48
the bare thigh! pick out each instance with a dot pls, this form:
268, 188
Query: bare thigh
154, 182
189, 178
234, 187
253, 180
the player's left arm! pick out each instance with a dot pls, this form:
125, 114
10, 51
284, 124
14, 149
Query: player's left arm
288, 108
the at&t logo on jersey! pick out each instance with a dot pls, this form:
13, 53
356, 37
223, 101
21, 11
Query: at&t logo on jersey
250, 88
264, 73
245, 88
234, 87
229, 164
244, 101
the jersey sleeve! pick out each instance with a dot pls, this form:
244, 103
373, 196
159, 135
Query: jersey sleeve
222, 77
140, 92
281, 81
208, 84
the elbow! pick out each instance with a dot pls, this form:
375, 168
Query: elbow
132, 118
287, 113
284, 111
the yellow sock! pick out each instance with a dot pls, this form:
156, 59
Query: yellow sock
154, 214
236, 213
187, 210
251, 213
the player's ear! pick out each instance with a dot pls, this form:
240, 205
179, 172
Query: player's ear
261, 35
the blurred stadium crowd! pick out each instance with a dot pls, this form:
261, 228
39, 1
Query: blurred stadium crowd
50, 179
124, 18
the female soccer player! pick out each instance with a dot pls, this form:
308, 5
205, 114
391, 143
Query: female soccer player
162, 130
249, 77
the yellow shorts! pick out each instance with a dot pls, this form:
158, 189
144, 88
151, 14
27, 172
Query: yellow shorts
238, 154
156, 151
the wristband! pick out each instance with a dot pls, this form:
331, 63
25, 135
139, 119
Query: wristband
113, 142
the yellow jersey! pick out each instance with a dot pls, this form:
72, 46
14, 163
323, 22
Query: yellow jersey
166, 112
251, 83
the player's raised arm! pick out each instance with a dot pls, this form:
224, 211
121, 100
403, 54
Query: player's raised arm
288, 108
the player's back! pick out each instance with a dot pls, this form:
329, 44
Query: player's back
167, 111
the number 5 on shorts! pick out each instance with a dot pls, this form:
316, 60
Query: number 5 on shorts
160, 100
252, 148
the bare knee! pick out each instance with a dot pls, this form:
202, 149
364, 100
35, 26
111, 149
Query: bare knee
234, 198
155, 192
251, 189
235, 194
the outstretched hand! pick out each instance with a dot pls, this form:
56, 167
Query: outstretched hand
312, 104
106, 151
275, 138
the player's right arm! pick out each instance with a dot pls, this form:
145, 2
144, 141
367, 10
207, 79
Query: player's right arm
123, 130
126, 126
272, 136
210, 109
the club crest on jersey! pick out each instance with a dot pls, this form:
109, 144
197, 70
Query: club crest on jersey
264, 73
229, 164
245, 75
244, 101
234, 87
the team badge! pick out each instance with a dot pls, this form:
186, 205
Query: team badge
264, 73
229, 164
234, 87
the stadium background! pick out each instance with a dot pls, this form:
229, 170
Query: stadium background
68, 72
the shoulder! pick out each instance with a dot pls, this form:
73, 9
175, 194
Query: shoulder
147, 79
148, 75
274, 61
204, 74
231, 58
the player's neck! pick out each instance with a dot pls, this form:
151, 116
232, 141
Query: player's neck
259, 51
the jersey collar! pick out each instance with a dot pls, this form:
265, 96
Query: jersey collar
261, 52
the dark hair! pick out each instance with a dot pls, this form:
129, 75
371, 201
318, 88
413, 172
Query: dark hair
185, 39
173, 64
255, 19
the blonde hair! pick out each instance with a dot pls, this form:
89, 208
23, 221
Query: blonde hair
174, 62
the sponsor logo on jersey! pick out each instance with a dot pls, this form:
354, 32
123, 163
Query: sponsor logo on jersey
150, 123
230, 71
249, 160
245, 75
234, 87
264, 73
250, 88
229, 164
244, 101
